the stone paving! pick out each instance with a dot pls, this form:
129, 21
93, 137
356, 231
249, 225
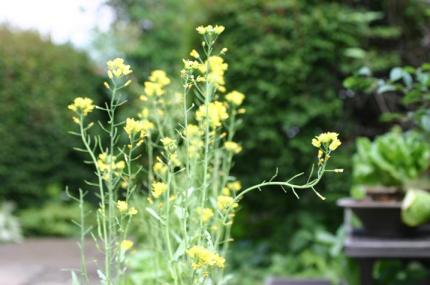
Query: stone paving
42, 262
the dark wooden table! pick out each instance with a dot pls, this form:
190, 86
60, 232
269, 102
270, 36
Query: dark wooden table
366, 250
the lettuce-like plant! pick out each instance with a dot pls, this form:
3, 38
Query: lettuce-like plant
392, 159
172, 176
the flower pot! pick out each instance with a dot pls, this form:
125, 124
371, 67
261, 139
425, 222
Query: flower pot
380, 218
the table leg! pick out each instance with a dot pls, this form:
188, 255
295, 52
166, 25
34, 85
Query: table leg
366, 271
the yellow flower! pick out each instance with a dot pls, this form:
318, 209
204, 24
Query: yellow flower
133, 127
174, 160
201, 30
158, 188
120, 165
122, 206
82, 106
144, 113
226, 202
194, 147
203, 257
234, 186
159, 168
334, 144
194, 54
232, 147
328, 139
126, 244
108, 165
215, 67
117, 68
132, 211
226, 191
235, 97
169, 144
192, 131
152, 89
205, 214
160, 77
217, 112
191, 64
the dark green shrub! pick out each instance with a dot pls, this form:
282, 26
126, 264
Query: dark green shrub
293, 56
37, 81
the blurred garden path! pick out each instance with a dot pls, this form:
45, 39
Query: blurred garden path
42, 262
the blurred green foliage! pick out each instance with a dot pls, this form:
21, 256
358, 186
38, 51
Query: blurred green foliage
290, 58
37, 81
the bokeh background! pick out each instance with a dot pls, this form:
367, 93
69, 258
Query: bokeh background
290, 57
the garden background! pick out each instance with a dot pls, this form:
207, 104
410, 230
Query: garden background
289, 57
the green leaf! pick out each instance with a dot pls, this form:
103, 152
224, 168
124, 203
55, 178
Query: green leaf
416, 207
396, 74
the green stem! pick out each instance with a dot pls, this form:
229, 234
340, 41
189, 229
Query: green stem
102, 195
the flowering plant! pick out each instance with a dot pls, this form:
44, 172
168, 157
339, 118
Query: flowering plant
178, 155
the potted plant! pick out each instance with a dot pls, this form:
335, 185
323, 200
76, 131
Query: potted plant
390, 174
390, 183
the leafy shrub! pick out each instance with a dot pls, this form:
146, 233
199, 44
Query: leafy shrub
37, 81
53, 219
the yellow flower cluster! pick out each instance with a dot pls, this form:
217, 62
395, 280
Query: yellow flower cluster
133, 127
132, 211
205, 214
215, 67
226, 202
210, 29
122, 206
82, 106
235, 97
326, 142
329, 139
192, 131
193, 135
158, 188
217, 112
203, 257
190, 64
117, 68
232, 147
107, 164
234, 186
159, 168
168, 143
158, 80
126, 244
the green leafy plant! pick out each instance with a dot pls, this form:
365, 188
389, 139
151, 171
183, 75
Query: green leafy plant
396, 159
404, 96
392, 159
55, 218
315, 253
